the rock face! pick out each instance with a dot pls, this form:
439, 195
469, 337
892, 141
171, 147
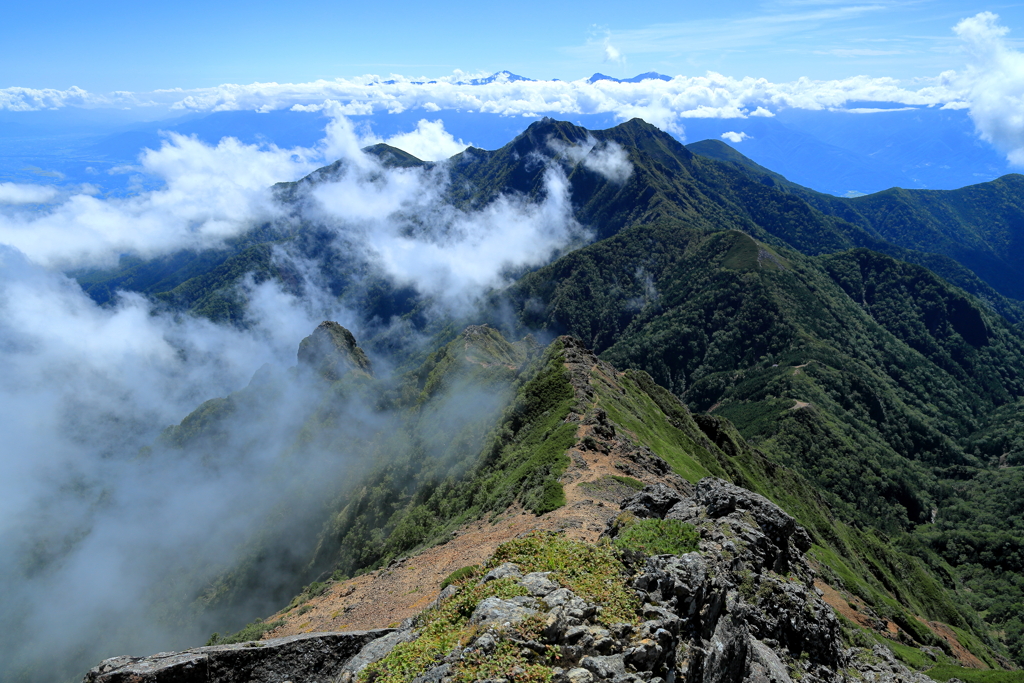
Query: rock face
331, 351
742, 609
309, 658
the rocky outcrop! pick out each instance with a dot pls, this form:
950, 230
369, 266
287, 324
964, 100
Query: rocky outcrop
331, 351
743, 608
740, 609
309, 658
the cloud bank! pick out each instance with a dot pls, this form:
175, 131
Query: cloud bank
208, 194
25, 193
93, 533
991, 86
662, 103
994, 84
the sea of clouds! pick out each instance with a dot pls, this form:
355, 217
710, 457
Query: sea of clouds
991, 86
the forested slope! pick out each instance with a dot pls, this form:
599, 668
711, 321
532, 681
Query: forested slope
869, 349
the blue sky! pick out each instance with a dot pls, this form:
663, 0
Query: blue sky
107, 46
394, 66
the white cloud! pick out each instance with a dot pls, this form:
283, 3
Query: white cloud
401, 222
734, 137
210, 193
24, 193
85, 387
430, 141
608, 159
663, 103
32, 99
611, 53
994, 82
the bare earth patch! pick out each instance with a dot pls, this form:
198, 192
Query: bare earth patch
943, 631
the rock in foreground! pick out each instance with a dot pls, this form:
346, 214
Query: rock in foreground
306, 658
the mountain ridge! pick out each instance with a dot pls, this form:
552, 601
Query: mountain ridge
719, 326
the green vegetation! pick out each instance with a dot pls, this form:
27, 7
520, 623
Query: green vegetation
520, 460
945, 672
253, 631
441, 629
458, 575
854, 360
658, 537
894, 393
628, 482
591, 571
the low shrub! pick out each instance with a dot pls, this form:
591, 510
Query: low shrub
253, 631
460, 574
658, 537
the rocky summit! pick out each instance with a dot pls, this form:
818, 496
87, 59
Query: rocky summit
741, 607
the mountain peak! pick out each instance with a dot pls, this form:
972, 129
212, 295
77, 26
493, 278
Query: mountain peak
647, 76
503, 76
393, 157
331, 351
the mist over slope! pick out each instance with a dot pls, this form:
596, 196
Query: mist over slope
112, 532
755, 301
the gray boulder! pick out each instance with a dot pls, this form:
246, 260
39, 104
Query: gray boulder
500, 612
309, 657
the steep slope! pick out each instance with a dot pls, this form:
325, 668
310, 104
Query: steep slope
980, 227
868, 375
627, 432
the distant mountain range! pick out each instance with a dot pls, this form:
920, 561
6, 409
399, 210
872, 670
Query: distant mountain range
863, 148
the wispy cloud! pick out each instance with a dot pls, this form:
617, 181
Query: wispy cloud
734, 137
859, 52
742, 32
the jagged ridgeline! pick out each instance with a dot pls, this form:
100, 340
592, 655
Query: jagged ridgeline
972, 237
869, 352
564, 415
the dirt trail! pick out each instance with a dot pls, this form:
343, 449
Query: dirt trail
798, 368
799, 405
389, 596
